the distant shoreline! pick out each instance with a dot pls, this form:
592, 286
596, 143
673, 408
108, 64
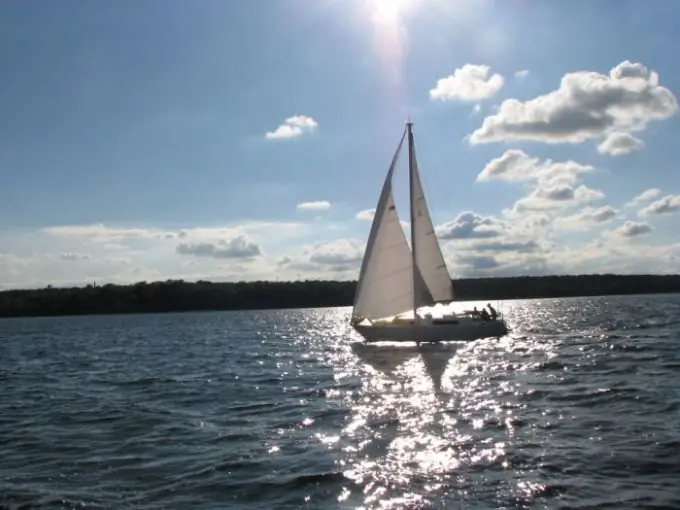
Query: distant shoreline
181, 296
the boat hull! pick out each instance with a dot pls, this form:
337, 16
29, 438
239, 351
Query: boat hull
464, 330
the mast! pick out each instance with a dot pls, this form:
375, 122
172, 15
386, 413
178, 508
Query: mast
409, 126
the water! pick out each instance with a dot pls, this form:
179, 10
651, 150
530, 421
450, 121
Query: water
578, 408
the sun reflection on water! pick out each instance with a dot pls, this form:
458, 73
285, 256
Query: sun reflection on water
425, 420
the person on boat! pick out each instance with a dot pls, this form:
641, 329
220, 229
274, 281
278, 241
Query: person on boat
475, 312
484, 314
492, 311
356, 320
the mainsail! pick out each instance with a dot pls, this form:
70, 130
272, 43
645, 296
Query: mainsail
385, 285
389, 281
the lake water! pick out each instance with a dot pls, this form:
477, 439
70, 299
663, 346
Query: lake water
578, 408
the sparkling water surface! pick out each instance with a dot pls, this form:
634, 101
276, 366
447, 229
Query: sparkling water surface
579, 407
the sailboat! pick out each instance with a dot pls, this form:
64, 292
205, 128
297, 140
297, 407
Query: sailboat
396, 279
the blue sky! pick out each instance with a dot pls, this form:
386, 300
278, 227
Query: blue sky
133, 135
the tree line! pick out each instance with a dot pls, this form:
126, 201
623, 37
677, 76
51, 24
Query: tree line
182, 296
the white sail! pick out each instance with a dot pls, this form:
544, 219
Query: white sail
426, 249
385, 286
395, 278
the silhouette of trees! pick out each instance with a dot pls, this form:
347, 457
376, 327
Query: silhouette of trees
179, 296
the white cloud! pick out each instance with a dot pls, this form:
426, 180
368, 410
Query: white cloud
555, 183
632, 229
120, 237
527, 248
74, 257
237, 247
473, 244
520, 75
468, 225
646, 195
512, 165
516, 165
293, 127
587, 218
319, 205
666, 205
587, 105
619, 144
515, 260
340, 258
10, 264
58, 255
366, 214
499, 265
553, 197
369, 214
476, 245
40, 269
467, 83
615, 254
104, 233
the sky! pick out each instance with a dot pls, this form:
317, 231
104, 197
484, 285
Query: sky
232, 140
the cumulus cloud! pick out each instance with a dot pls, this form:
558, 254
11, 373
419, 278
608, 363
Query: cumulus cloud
469, 225
473, 244
319, 205
587, 105
74, 257
619, 144
334, 257
615, 254
555, 183
133, 253
645, 196
632, 229
556, 197
586, 218
520, 75
512, 165
666, 205
238, 247
369, 214
516, 165
366, 214
293, 127
525, 247
499, 265
467, 83
502, 257
477, 245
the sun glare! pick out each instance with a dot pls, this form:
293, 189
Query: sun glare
389, 12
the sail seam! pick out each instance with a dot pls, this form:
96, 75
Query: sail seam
386, 275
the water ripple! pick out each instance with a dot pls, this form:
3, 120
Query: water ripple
578, 408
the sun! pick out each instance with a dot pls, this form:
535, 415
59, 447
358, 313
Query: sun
389, 12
